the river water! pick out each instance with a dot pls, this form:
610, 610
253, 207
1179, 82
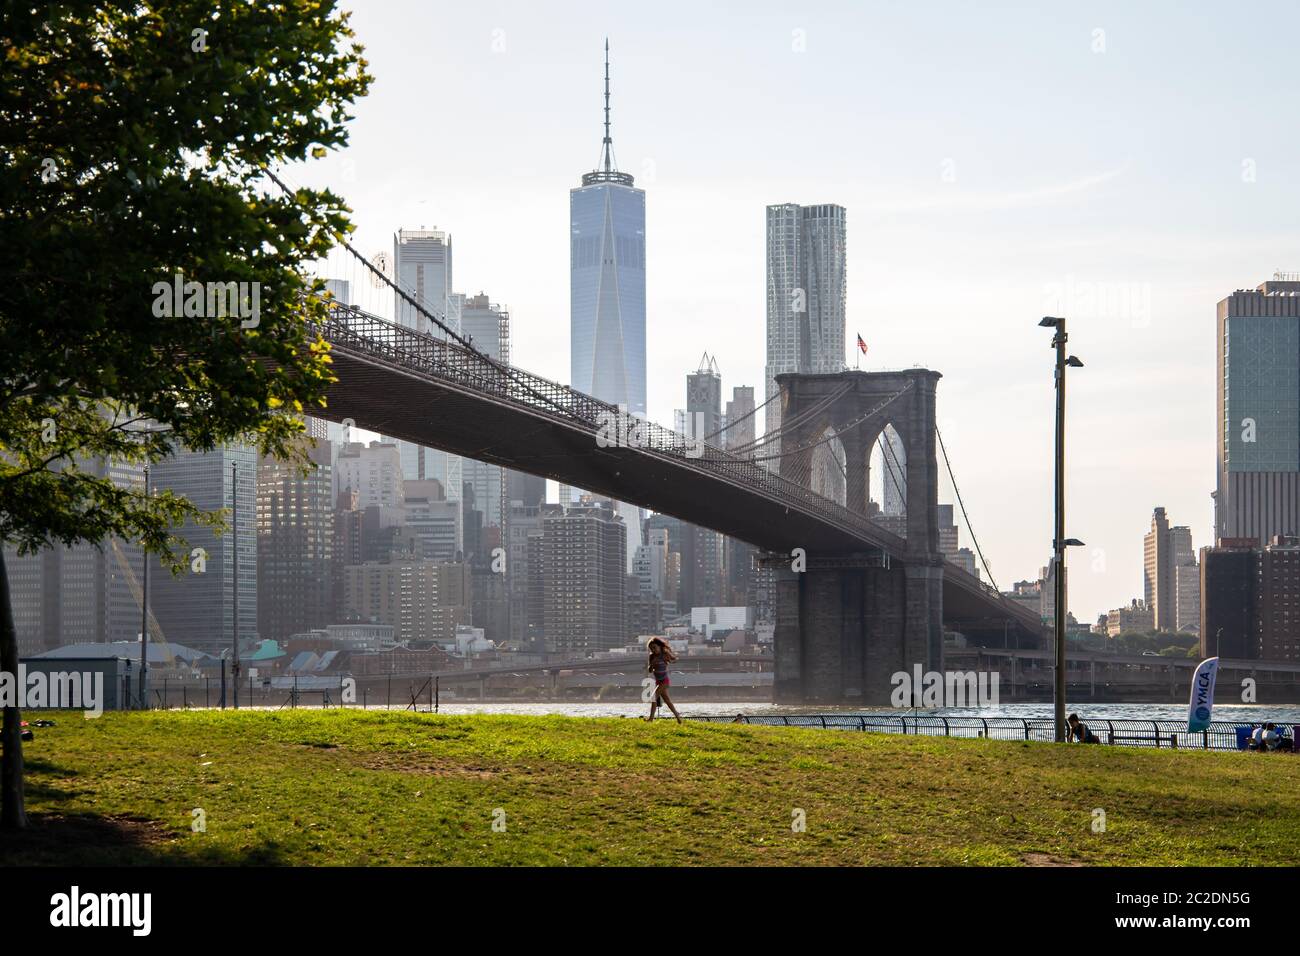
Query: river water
1243, 713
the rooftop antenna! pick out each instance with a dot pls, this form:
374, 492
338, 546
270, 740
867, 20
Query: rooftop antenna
609, 142
607, 169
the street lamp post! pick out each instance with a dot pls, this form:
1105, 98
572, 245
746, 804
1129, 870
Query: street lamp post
1059, 541
144, 616
234, 544
144, 595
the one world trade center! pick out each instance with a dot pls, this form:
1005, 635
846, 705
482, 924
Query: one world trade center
607, 291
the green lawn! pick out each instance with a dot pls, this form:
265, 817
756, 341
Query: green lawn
331, 787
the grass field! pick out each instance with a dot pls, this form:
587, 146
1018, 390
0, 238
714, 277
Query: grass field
332, 787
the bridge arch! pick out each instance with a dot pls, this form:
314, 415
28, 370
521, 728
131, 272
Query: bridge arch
859, 407
849, 622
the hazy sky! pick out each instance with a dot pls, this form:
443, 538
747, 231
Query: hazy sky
1124, 165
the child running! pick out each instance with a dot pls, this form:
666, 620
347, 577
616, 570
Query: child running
661, 655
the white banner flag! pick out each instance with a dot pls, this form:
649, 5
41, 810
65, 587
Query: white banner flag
1202, 701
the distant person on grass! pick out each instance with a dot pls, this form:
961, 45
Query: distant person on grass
1265, 738
1079, 731
1272, 740
661, 655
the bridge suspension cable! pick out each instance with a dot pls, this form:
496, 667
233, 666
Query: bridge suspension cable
794, 422
504, 368
886, 456
960, 504
749, 414
836, 431
880, 442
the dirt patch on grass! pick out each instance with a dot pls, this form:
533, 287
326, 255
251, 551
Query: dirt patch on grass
1046, 859
424, 764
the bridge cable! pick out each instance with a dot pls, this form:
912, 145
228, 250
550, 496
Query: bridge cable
965, 516
887, 455
836, 431
507, 370
794, 422
749, 414
880, 443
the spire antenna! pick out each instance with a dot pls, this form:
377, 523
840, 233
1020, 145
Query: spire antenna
607, 171
609, 141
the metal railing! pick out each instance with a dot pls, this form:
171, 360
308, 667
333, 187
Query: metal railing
352, 330
356, 331
1173, 734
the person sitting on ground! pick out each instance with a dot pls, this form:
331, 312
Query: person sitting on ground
1271, 738
1079, 731
1285, 742
1256, 739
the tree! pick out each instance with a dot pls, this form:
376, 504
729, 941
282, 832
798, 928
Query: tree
132, 140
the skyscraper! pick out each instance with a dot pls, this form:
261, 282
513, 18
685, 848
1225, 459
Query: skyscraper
422, 265
806, 295
740, 417
295, 546
87, 593
487, 326
607, 346
1258, 371
1170, 580
197, 607
704, 401
607, 281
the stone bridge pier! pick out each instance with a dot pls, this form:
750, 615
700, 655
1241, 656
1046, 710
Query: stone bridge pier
845, 623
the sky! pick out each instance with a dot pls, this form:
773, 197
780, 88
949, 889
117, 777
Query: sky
1126, 166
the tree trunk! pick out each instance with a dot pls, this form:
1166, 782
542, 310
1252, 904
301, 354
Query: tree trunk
13, 810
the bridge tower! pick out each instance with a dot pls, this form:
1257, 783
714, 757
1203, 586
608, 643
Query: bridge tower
848, 622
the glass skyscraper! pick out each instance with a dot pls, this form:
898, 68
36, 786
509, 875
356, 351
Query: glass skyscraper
1258, 492
607, 281
607, 349
607, 290
197, 608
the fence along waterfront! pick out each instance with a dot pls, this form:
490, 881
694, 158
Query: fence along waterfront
1220, 735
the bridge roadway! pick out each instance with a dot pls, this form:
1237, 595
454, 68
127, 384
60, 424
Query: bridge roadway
415, 387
